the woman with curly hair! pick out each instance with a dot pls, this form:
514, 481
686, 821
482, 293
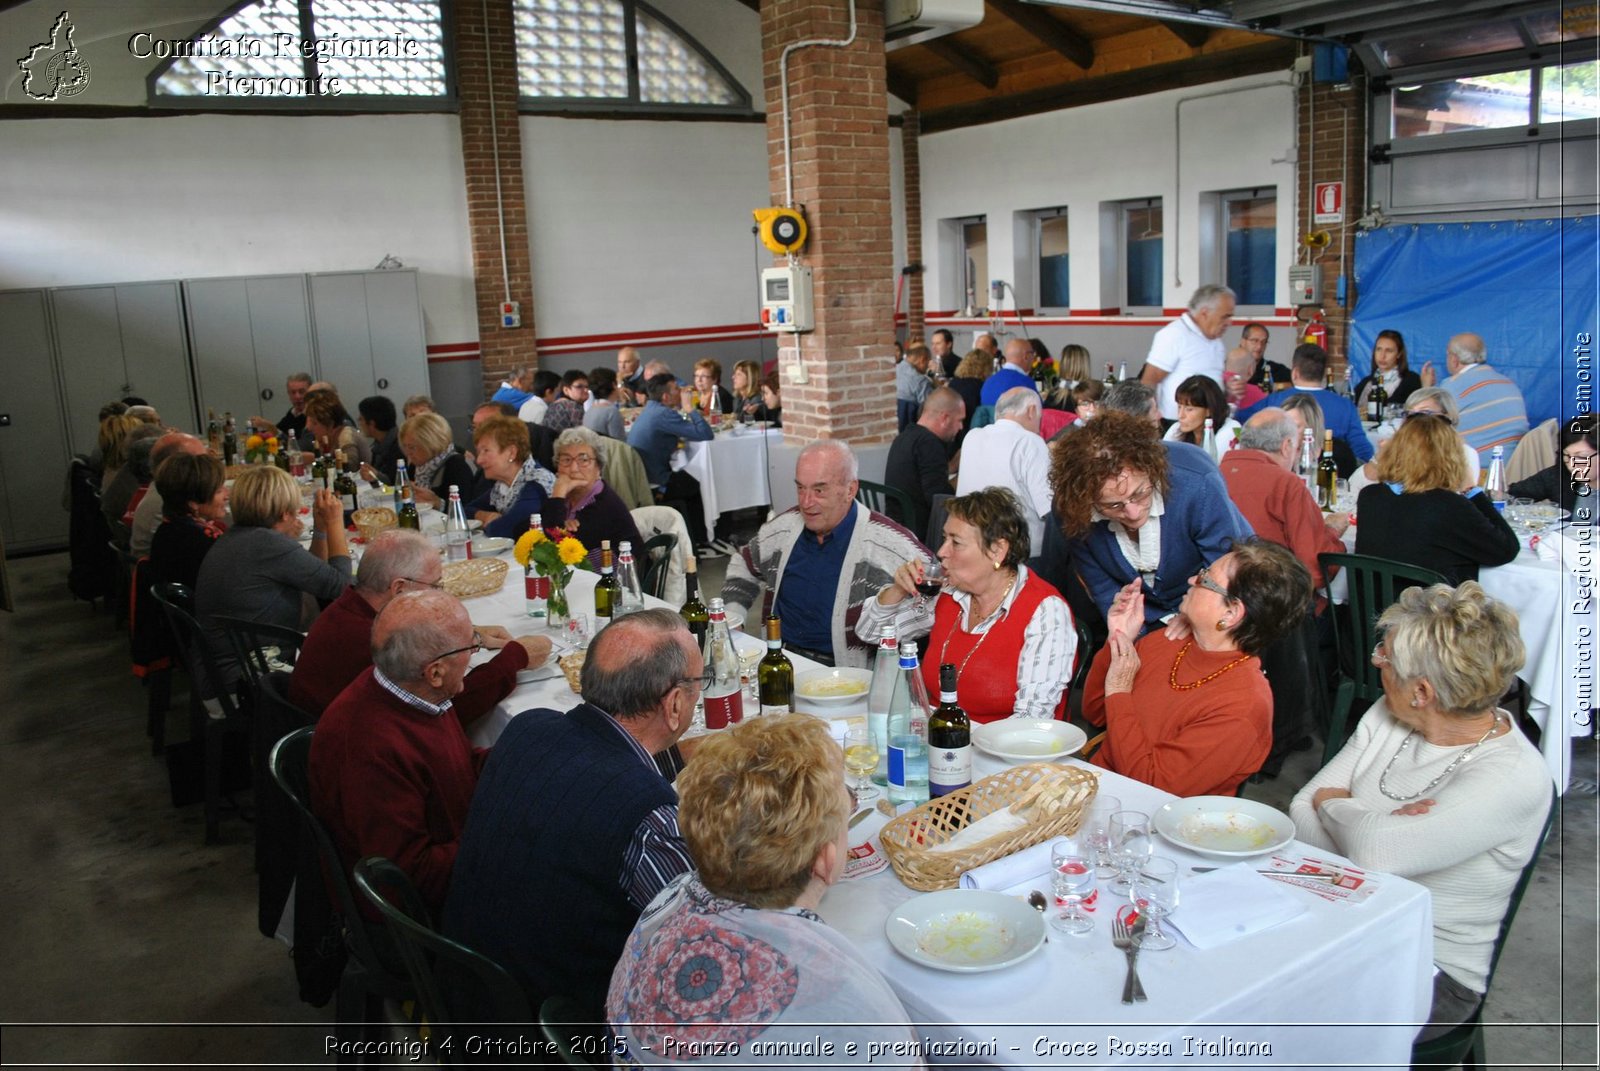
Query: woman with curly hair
1133, 510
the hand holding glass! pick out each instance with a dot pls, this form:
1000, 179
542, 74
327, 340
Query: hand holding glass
930, 584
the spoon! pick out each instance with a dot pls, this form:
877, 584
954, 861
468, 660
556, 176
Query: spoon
1040, 904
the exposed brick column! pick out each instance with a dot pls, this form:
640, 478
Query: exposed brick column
1337, 153
477, 73
839, 149
911, 165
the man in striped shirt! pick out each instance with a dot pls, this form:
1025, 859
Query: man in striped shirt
1492, 410
572, 830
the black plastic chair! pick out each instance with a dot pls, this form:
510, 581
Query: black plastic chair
278, 822
657, 554
1375, 583
889, 501
374, 971
190, 643
120, 597
1463, 1045
462, 992
261, 648
936, 518
565, 1023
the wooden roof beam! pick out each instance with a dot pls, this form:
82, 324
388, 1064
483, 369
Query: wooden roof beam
903, 87
1190, 33
1048, 31
974, 67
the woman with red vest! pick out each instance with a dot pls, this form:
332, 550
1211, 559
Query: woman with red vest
1008, 633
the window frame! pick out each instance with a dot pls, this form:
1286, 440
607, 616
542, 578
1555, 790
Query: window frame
449, 101
1123, 209
1036, 219
1218, 257
633, 103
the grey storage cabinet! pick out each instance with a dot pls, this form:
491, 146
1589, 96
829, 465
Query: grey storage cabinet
368, 327
33, 437
116, 340
248, 335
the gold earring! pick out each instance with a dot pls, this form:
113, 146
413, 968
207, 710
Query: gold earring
1222, 624
996, 566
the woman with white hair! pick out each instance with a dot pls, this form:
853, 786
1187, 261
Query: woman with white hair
581, 502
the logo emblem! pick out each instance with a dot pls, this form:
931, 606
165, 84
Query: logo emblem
55, 69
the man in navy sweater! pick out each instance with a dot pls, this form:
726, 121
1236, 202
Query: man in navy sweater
1307, 371
572, 830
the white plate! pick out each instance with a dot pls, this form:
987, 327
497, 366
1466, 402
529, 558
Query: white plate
490, 544
1028, 739
833, 687
965, 930
746, 644
1223, 826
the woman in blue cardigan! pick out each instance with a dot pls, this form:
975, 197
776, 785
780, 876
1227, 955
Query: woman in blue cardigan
1133, 507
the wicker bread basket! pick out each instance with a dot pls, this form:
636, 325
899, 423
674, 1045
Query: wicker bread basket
372, 520
907, 839
478, 576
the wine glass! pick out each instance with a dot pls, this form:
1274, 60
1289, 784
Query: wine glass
1131, 845
748, 661
1072, 879
930, 584
1096, 832
860, 759
1154, 895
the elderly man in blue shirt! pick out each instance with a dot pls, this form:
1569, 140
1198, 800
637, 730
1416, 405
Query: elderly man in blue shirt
666, 419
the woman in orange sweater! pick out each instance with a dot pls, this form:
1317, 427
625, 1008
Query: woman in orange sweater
1186, 709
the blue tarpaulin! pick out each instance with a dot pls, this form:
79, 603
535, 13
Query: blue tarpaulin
1531, 288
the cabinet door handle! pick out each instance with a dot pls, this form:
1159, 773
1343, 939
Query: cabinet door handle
266, 394
383, 384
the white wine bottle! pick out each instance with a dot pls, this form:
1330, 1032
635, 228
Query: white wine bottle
775, 674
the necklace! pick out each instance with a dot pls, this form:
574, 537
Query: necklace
945, 649
1448, 770
1172, 678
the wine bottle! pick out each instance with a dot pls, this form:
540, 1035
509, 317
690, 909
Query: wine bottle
908, 731
949, 739
344, 485
1327, 476
775, 674
230, 441
1327, 381
628, 580
879, 695
724, 691
407, 516
1267, 384
607, 592
213, 432
1377, 399
693, 611
319, 472
457, 537
1111, 377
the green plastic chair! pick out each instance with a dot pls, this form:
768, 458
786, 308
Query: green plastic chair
462, 992
889, 501
1463, 1045
567, 1024
1375, 583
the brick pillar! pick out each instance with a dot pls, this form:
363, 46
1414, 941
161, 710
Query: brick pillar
911, 165
839, 149
1333, 137
480, 73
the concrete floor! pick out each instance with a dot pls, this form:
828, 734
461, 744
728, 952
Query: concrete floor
116, 913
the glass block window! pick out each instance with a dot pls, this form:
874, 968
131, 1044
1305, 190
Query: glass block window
274, 49
618, 53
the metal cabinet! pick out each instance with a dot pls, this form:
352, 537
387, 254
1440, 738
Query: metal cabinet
33, 438
368, 327
248, 336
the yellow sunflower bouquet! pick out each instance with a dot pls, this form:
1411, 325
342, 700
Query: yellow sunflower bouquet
553, 555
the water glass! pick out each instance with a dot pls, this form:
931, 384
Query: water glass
578, 631
1131, 845
860, 759
1516, 509
1096, 832
1155, 896
1072, 881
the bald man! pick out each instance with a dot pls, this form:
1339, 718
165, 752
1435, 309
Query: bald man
629, 377
392, 772
572, 811
919, 457
147, 514
1493, 412
1016, 372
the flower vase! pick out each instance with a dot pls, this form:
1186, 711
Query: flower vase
559, 612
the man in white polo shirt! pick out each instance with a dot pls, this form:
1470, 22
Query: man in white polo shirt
1010, 453
1190, 345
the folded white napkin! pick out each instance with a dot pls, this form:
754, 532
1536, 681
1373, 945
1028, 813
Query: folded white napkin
1026, 865
1230, 903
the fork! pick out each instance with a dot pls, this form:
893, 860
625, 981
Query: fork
1123, 938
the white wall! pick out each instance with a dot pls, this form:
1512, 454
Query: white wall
1115, 151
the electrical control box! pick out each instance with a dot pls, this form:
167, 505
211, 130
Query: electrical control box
511, 314
1305, 284
786, 299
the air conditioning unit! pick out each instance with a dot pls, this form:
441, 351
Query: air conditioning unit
908, 22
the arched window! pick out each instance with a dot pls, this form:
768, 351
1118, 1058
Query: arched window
615, 54
342, 53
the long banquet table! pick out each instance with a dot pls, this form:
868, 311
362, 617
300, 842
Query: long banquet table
1342, 982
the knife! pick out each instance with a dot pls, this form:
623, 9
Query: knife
856, 818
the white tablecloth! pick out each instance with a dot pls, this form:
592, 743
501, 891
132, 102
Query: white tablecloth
732, 469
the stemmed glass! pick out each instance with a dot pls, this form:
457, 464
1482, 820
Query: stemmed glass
930, 584
1131, 845
1155, 896
860, 759
1096, 832
1072, 880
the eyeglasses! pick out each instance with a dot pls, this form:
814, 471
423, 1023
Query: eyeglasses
1138, 498
575, 459
436, 585
475, 646
1203, 579
704, 680
1578, 459
1428, 413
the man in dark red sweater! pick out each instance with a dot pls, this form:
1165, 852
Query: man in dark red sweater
391, 769
339, 646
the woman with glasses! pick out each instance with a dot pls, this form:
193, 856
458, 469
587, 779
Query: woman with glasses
1133, 508
1186, 708
1437, 784
581, 502
734, 950
1571, 482
1425, 511
1391, 368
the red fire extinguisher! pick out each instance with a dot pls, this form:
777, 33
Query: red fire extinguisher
1317, 330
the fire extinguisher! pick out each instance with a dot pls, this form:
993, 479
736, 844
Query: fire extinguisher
1317, 330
